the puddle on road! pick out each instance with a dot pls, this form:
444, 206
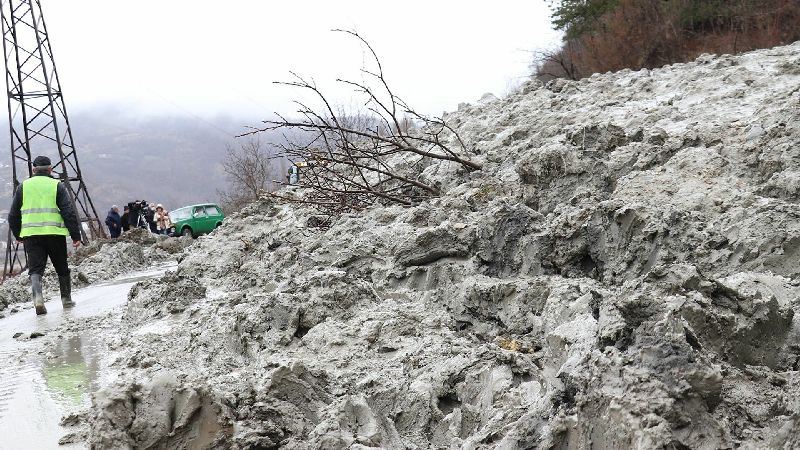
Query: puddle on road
38, 386
39, 389
71, 369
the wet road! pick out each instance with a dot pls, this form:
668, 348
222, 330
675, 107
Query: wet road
38, 386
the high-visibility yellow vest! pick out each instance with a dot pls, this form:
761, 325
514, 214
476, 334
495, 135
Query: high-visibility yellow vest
40, 213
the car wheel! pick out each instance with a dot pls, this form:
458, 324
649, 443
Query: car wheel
187, 232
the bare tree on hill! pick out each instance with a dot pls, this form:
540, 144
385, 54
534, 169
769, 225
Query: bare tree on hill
377, 154
250, 169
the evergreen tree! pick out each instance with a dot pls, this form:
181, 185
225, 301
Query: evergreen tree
577, 17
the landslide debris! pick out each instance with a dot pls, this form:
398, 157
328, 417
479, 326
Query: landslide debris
623, 273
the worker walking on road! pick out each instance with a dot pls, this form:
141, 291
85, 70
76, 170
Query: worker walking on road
41, 216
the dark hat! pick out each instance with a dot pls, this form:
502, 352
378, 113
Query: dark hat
41, 161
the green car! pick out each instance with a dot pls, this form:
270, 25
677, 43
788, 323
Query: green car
196, 219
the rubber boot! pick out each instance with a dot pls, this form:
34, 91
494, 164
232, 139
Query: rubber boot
38, 298
65, 283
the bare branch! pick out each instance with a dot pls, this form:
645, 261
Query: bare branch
352, 160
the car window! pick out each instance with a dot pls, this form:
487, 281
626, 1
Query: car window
212, 211
199, 212
180, 214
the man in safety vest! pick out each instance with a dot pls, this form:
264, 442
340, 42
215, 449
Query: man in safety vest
42, 216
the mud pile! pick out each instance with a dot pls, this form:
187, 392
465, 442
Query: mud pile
623, 273
99, 261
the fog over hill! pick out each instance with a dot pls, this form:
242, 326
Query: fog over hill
174, 160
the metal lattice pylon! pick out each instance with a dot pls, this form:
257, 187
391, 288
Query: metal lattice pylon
37, 115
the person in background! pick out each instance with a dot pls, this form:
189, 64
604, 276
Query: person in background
135, 214
163, 222
126, 217
41, 216
114, 222
149, 216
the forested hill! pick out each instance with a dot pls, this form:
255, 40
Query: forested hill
611, 35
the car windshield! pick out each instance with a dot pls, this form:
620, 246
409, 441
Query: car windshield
180, 214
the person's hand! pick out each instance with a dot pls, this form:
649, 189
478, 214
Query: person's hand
76, 244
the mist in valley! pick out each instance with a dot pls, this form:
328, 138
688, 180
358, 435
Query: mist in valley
169, 159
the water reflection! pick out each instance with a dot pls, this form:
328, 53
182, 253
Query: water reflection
71, 369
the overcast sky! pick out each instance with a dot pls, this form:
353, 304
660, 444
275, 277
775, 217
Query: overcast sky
204, 58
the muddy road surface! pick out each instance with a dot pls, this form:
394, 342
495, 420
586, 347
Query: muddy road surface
49, 365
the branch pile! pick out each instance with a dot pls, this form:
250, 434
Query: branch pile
350, 162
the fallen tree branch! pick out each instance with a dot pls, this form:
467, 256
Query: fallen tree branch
352, 161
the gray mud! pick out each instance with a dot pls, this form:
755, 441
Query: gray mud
623, 273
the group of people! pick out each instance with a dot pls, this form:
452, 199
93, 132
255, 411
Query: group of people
42, 217
139, 214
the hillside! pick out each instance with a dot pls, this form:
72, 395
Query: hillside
155, 158
176, 161
610, 35
623, 273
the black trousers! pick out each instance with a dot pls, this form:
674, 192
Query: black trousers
38, 248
